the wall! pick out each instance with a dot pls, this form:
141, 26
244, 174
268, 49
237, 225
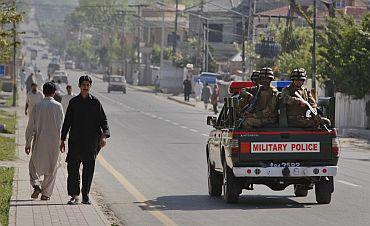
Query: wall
351, 113
171, 78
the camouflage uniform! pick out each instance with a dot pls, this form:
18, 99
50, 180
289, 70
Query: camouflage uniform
297, 113
265, 111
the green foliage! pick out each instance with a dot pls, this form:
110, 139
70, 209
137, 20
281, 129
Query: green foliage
8, 16
156, 54
6, 185
345, 55
81, 52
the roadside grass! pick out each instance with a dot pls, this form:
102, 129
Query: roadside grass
9, 119
6, 185
7, 148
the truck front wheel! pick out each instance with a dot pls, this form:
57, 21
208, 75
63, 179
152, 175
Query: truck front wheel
299, 191
231, 194
214, 181
323, 190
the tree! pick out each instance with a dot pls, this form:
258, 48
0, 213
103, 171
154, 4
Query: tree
8, 16
345, 55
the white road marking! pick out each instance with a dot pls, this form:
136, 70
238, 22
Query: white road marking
167, 120
348, 183
175, 123
194, 130
203, 134
184, 127
160, 118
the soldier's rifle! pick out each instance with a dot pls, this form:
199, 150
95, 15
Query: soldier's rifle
311, 109
251, 106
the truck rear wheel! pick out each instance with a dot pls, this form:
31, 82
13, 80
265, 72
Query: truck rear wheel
299, 191
230, 190
214, 181
323, 190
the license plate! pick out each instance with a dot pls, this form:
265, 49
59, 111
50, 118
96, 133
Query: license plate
285, 147
285, 164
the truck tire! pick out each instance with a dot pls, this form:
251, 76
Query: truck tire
214, 181
299, 191
229, 186
124, 91
323, 190
108, 90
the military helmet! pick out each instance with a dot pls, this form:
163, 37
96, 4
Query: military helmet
298, 74
255, 75
266, 72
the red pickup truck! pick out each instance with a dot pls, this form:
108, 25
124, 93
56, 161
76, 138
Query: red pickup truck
276, 156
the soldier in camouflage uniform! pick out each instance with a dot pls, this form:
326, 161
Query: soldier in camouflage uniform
296, 109
265, 111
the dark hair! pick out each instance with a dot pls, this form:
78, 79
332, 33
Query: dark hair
83, 79
68, 86
49, 88
33, 84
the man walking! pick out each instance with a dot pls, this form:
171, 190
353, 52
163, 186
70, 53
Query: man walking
43, 131
30, 80
33, 98
198, 89
22, 77
206, 94
66, 98
187, 88
87, 125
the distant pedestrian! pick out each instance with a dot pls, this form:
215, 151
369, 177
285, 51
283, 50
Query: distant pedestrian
187, 88
87, 125
22, 77
58, 93
39, 78
206, 94
198, 90
43, 131
30, 80
33, 98
66, 98
214, 98
157, 84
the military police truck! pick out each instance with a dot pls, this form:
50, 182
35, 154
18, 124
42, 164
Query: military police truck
276, 156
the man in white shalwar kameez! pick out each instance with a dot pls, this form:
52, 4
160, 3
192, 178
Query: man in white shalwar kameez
43, 130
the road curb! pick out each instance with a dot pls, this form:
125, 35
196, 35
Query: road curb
181, 102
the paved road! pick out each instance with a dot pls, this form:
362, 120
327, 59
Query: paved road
153, 172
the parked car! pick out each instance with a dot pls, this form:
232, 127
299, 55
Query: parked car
52, 67
69, 64
61, 76
207, 77
44, 56
117, 83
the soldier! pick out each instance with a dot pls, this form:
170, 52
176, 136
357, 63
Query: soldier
296, 108
255, 77
264, 109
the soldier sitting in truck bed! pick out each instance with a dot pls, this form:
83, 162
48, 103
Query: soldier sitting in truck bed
258, 105
298, 100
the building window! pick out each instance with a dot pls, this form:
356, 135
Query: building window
339, 4
215, 32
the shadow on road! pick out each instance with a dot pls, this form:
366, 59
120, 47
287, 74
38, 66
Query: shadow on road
204, 202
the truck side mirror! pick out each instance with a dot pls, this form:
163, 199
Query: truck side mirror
211, 120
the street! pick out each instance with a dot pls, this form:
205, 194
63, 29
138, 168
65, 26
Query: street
153, 171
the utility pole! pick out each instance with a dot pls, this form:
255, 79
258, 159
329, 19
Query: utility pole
243, 45
122, 15
314, 51
174, 35
14, 62
162, 45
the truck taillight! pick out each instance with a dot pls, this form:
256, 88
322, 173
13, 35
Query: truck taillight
234, 146
245, 148
335, 147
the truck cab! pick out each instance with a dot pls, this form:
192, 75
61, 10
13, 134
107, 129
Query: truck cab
276, 156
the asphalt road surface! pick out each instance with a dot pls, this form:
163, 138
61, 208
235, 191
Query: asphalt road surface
153, 171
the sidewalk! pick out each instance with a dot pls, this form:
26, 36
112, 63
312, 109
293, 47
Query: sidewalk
25, 211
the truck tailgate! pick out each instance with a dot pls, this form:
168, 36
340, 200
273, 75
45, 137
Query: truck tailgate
287, 146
